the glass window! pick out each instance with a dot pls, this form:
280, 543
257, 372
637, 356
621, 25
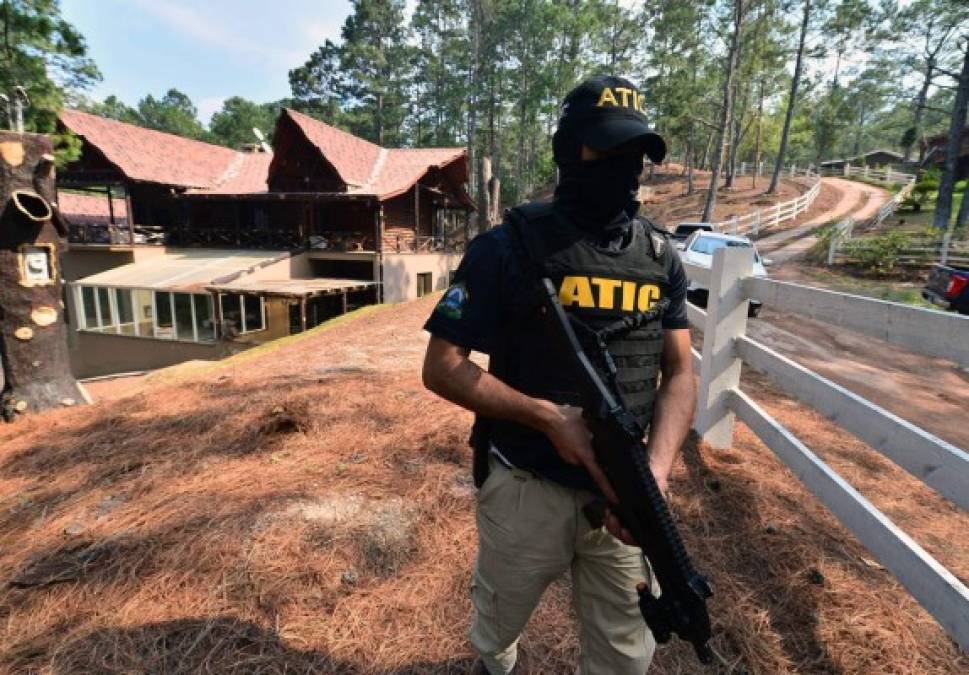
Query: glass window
89, 315
125, 314
708, 245
184, 323
204, 320
126, 317
164, 327
104, 302
232, 311
254, 319
141, 301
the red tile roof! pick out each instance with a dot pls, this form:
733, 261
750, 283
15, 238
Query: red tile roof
157, 157
91, 209
369, 169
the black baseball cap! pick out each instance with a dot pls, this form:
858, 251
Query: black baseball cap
606, 112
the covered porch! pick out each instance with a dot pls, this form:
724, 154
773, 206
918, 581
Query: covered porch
301, 304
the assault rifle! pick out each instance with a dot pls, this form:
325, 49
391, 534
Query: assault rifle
617, 439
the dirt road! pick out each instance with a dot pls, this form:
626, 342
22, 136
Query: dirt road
931, 393
856, 199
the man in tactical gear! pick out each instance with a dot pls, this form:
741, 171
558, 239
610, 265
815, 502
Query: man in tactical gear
534, 463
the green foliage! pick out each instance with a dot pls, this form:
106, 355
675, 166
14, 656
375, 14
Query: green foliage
174, 112
46, 55
923, 191
879, 254
361, 83
111, 107
232, 126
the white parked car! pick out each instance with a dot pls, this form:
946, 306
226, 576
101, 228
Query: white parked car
698, 251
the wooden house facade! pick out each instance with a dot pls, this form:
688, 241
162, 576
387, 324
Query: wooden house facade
355, 222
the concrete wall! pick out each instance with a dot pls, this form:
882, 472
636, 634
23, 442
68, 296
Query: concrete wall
400, 273
94, 354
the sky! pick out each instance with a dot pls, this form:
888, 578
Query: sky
210, 50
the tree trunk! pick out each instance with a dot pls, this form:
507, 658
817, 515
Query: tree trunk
484, 195
760, 118
919, 107
943, 203
475, 20
963, 216
34, 364
859, 131
789, 115
725, 113
689, 161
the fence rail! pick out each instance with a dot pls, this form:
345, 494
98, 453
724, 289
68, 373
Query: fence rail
885, 175
766, 218
920, 252
939, 464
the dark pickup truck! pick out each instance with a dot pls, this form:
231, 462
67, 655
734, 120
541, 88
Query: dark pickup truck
948, 287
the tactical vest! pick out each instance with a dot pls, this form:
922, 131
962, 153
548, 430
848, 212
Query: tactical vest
597, 286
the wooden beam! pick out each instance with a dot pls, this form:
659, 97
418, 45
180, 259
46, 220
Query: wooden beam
696, 316
417, 213
936, 588
940, 465
110, 206
131, 216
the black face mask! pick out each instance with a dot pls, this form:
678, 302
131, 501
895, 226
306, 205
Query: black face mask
600, 190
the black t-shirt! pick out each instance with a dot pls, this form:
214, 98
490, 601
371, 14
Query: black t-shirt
472, 312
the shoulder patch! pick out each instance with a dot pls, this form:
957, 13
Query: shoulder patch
659, 242
454, 301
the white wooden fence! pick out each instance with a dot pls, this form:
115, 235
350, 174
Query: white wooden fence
939, 464
766, 218
921, 251
885, 175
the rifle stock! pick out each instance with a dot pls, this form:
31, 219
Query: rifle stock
620, 452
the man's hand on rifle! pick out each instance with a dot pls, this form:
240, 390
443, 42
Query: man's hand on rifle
566, 428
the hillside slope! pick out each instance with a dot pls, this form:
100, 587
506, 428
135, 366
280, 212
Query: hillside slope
306, 508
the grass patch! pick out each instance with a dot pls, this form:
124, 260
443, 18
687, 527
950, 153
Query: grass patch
905, 287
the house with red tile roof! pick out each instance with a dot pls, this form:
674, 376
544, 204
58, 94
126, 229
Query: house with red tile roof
337, 220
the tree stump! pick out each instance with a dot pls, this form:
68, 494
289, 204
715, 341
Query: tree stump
34, 366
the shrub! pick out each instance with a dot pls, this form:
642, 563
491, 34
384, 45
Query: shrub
879, 254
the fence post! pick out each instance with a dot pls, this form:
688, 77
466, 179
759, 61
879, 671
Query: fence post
756, 226
733, 226
847, 168
792, 169
720, 365
866, 171
946, 241
833, 244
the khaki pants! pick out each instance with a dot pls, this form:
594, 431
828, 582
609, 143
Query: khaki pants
530, 531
